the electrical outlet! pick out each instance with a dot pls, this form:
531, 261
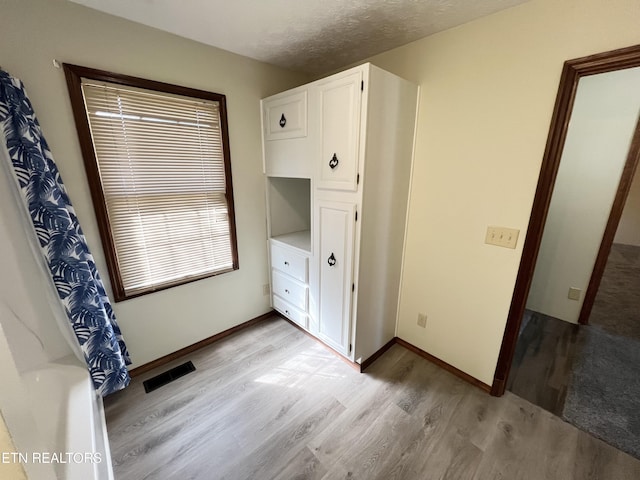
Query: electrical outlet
502, 236
422, 320
265, 289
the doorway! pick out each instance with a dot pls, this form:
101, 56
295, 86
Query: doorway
573, 70
584, 183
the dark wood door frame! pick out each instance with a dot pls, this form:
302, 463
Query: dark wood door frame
572, 71
612, 226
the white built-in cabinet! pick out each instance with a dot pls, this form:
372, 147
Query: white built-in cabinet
337, 160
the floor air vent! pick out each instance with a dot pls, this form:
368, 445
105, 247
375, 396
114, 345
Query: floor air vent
168, 376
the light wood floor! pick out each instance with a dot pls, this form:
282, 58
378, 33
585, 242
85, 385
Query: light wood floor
270, 403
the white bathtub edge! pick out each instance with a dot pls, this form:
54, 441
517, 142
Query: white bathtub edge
70, 417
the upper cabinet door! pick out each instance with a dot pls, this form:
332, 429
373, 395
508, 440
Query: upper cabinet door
339, 123
286, 135
286, 116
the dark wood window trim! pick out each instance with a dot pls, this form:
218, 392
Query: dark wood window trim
74, 75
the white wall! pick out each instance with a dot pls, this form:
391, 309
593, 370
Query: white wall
628, 232
487, 94
33, 33
604, 118
11, 469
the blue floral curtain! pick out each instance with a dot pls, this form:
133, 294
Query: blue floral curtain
62, 242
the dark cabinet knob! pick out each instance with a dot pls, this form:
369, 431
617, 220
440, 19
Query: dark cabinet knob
283, 121
333, 163
332, 260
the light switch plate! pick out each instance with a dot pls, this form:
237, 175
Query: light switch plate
574, 293
502, 236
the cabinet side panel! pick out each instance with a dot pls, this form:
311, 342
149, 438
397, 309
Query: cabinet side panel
389, 152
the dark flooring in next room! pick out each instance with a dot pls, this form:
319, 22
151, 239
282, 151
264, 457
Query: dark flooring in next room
543, 361
616, 308
589, 375
271, 403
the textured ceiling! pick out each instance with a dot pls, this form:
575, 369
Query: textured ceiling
313, 36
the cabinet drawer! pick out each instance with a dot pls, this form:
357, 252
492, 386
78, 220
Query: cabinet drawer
289, 289
289, 262
285, 116
291, 312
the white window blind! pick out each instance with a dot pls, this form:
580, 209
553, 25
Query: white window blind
161, 164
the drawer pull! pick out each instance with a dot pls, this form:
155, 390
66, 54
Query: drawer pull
286, 263
332, 260
286, 291
287, 312
333, 163
283, 121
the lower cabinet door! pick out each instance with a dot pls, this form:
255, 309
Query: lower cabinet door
336, 229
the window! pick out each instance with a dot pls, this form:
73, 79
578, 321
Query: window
157, 160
